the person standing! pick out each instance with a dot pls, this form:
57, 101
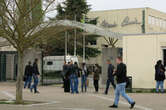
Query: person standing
96, 77
110, 76
159, 76
67, 78
73, 81
36, 75
28, 75
77, 74
64, 71
121, 73
84, 76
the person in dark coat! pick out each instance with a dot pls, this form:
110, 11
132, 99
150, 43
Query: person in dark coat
121, 74
28, 75
96, 77
64, 71
159, 76
67, 78
110, 76
36, 75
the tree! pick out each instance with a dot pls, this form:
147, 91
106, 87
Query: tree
19, 28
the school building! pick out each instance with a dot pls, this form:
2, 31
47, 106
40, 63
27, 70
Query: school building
127, 21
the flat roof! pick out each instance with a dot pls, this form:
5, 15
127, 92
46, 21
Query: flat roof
160, 33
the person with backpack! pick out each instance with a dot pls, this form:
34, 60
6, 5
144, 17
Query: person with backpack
159, 76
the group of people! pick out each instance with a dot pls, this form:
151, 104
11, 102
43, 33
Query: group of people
71, 72
31, 71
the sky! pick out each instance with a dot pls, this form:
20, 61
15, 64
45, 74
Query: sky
122, 4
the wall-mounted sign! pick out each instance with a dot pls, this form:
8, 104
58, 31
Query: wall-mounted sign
107, 25
127, 21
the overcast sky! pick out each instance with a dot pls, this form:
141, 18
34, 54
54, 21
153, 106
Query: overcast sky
121, 4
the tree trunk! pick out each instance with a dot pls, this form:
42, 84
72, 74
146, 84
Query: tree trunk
19, 83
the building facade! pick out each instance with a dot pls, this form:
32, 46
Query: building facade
140, 53
127, 21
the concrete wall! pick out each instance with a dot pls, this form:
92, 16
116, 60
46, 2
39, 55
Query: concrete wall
108, 53
140, 53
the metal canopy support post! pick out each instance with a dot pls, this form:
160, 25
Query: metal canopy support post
75, 40
66, 39
84, 48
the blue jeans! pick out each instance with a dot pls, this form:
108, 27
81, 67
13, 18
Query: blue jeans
84, 83
74, 83
36, 81
160, 84
120, 90
28, 82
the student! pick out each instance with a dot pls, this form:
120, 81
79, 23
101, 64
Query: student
84, 76
36, 75
121, 73
67, 79
96, 77
110, 76
159, 76
65, 69
28, 75
73, 78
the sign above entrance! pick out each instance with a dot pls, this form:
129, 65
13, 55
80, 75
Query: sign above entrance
107, 25
127, 21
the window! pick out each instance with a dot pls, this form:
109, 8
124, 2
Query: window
93, 42
49, 63
150, 20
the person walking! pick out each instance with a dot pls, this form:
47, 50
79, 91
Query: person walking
159, 76
110, 76
84, 76
96, 77
36, 75
28, 75
121, 73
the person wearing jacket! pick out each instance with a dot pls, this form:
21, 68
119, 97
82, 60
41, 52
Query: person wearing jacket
73, 77
110, 76
28, 75
36, 75
121, 74
96, 77
159, 76
84, 75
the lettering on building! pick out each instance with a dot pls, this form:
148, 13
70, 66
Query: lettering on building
107, 25
127, 21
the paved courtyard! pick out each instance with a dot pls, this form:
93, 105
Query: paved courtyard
54, 98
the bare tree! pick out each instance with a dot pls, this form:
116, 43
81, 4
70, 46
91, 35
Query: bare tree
20, 26
111, 42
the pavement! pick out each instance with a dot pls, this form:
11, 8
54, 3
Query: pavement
54, 98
